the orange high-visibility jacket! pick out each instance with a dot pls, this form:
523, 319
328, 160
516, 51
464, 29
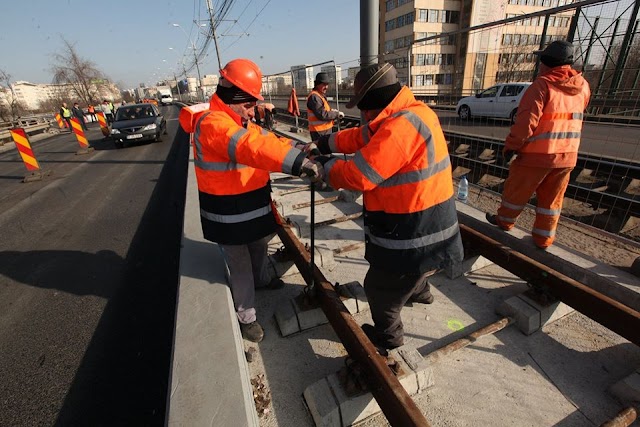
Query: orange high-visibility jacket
232, 165
317, 124
402, 165
548, 126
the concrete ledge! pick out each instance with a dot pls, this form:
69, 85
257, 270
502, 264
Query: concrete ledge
209, 382
531, 316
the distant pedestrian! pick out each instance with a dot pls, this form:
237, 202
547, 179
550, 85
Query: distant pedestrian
79, 114
108, 111
546, 137
92, 112
66, 115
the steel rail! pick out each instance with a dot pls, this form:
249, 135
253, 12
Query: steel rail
610, 313
393, 399
624, 418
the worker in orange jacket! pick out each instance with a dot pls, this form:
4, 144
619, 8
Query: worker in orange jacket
232, 160
546, 138
402, 166
319, 113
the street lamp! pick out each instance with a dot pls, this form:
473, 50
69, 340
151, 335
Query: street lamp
195, 56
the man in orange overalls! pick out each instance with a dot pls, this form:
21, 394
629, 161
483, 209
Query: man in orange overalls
546, 137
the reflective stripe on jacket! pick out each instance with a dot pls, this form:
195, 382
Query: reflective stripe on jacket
235, 201
402, 164
560, 125
315, 123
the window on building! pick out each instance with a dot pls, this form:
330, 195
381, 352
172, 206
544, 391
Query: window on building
422, 15
388, 45
433, 15
390, 5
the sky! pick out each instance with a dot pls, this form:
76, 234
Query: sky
129, 40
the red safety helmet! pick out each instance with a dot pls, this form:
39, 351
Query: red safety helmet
245, 75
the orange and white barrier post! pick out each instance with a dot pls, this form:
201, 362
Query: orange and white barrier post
104, 127
82, 139
23, 145
61, 123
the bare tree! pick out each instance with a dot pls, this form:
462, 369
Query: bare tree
82, 74
13, 109
515, 63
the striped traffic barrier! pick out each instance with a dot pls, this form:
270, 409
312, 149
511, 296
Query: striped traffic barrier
61, 123
82, 139
104, 127
23, 145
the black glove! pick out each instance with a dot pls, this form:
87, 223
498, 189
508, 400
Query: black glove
322, 159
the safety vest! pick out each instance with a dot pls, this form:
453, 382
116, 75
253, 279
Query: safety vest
316, 124
235, 199
90, 109
66, 112
560, 125
402, 165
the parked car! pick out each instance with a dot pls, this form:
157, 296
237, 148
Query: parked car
499, 101
138, 122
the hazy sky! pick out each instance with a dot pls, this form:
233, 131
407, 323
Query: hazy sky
130, 40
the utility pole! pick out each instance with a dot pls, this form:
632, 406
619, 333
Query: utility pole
213, 30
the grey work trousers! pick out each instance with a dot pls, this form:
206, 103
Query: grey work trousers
247, 270
387, 293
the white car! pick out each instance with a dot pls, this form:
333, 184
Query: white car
499, 101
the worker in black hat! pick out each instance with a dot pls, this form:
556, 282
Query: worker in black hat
319, 113
401, 164
546, 138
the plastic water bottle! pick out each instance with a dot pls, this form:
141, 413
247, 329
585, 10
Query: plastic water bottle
463, 189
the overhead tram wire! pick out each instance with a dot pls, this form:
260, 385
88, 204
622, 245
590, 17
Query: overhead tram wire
248, 26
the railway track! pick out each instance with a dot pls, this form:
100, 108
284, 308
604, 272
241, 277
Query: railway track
609, 187
545, 281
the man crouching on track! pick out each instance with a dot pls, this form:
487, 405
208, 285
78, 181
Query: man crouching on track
402, 165
232, 159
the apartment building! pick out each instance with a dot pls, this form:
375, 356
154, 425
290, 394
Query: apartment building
465, 62
31, 95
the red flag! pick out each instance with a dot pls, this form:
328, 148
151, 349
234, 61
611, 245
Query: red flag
292, 106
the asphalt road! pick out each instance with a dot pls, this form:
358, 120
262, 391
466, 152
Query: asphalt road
88, 275
616, 141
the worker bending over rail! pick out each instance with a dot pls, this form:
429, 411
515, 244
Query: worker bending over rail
232, 159
401, 164
546, 138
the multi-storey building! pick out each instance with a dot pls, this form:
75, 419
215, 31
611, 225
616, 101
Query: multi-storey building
303, 77
31, 95
464, 62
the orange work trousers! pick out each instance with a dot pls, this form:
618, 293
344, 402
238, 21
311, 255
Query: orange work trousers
549, 184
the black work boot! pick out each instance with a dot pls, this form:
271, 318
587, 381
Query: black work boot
252, 331
425, 297
491, 219
381, 345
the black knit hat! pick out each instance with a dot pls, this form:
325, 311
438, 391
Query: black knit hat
557, 53
371, 78
232, 94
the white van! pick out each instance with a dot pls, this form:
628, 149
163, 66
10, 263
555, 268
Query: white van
499, 101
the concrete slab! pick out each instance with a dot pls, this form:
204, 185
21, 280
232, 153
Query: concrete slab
354, 408
617, 284
531, 315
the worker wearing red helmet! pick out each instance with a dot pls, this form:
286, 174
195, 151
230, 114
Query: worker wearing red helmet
232, 159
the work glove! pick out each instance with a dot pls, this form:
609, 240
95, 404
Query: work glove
340, 113
312, 170
310, 149
322, 159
